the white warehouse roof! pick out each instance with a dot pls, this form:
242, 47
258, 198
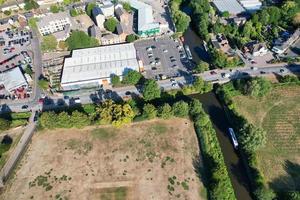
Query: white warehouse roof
12, 79
99, 62
251, 5
232, 6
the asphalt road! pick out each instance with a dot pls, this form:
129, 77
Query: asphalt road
123, 92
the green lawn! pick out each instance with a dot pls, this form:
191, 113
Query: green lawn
279, 114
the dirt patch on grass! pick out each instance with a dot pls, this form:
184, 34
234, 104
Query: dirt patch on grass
279, 114
146, 160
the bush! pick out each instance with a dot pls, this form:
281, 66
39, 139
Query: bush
54, 8
165, 111
149, 111
151, 90
131, 38
257, 87
73, 12
115, 80
264, 194
202, 67
132, 77
219, 184
31, 4
7, 12
89, 9
110, 24
180, 109
4, 124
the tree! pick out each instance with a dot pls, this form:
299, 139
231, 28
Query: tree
115, 80
32, 22
151, 90
292, 195
181, 20
48, 120
31, 4
73, 12
195, 107
28, 70
180, 109
131, 38
110, 24
165, 111
257, 87
63, 120
149, 111
226, 14
132, 77
127, 6
264, 194
4, 124
49, 43
201, 86
54, 8
89, 8
202, 67
252, 138
116, 114
7, 12
296, 20
80, 39
79, 119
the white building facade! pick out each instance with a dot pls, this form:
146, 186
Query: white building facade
53, 23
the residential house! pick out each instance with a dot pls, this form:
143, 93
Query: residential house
107, 8
98, 17
256, 49
280, 45
110, 38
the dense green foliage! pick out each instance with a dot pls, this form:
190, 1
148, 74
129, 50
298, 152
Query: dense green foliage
151, 90
43, 83
116, 114
80, 39
54, 8
126, 6
201, 67
30, 4
149, 111
32, 22
252, 138
89, 8
4, 124
7, 12
219, 185
110, 24
131, 38
165, 111
132, 77
49, 43
180, 109
28, 70
180, 19
221, 60
199, 86
256, 87
73, 12
115, 80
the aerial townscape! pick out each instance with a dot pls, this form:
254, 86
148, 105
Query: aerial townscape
150, 99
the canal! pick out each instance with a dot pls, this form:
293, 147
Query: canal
235, 167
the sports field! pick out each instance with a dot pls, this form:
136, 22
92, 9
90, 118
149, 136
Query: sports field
146, 160
279, 114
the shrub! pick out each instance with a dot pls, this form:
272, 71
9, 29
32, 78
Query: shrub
110, 24
180, 109
115, 80
165, 111
149, 111
131, 38
7, 12
4, 124
132, 77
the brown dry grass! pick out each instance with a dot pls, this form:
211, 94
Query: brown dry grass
279, 114
134, 162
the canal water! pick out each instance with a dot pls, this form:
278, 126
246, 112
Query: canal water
235, 167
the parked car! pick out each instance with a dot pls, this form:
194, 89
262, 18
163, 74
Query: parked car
24, 107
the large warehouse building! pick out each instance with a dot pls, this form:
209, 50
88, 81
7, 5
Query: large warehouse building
93, 67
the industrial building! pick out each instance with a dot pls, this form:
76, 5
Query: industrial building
93, 67
231, 6
251, 5
146, 25
13, 79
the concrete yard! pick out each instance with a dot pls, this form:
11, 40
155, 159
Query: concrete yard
147, 160
159, 60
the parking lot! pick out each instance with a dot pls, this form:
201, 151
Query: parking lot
13, 49
162, 57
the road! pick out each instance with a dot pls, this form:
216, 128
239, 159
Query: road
16, 154
122, 92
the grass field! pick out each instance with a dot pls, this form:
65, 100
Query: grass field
145, 160
279, 114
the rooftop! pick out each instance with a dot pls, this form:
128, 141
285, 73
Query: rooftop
12, 79
44, 21
232, 6
99, 62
